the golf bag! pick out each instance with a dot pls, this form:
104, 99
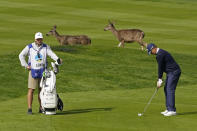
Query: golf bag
50, 100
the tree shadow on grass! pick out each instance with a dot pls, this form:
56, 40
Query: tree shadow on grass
188, 113
77, 111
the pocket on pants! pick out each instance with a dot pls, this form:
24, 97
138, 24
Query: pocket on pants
177, 72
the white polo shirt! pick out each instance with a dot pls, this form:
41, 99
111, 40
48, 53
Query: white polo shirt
37, 55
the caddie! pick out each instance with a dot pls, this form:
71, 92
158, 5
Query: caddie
167, 64
37, 53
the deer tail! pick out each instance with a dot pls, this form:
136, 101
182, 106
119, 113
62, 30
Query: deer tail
89, 41
142, 35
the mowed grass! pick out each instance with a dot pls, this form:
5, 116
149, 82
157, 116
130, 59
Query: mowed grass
103, 87
104, 110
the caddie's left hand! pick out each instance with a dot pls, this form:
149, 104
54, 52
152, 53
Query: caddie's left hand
159, 83
59, 61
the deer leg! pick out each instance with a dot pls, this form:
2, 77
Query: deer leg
119, 44
122, 44
142, 48
142, 44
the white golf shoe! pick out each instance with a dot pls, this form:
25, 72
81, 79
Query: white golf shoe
170, 113
164, 112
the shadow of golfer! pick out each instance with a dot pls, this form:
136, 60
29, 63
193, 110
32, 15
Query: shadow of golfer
188, 113
77, 111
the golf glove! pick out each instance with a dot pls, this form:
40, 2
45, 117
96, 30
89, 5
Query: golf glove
159, 83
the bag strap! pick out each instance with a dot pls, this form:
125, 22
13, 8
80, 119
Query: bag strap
44, 45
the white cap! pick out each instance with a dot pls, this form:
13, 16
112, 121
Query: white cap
38, 35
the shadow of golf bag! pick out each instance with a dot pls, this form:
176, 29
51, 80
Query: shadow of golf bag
50, 100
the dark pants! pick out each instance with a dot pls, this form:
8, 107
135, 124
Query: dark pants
169, 89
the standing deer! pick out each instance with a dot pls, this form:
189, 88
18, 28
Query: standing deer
69, 39
127, 35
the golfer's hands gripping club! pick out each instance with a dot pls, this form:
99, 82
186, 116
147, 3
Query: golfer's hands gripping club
159, 83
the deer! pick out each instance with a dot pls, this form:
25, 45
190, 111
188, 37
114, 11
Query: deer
69, 39
127, 35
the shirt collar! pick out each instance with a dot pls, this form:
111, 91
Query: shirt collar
36, 46
157, 50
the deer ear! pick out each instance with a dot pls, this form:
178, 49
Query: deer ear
54, 26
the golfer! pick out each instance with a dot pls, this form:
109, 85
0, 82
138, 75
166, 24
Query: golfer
166, 64
37, 53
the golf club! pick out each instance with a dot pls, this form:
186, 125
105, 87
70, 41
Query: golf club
140, 114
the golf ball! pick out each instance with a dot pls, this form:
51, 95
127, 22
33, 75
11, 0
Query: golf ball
139, 114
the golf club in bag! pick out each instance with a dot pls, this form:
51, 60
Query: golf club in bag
50, 100
145, 108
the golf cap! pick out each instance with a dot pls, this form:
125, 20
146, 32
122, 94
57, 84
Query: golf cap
38, 35
150, 47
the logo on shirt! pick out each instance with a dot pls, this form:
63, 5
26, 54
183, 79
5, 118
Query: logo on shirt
38, 57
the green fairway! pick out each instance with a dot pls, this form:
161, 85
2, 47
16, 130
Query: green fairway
103, 87
104, 110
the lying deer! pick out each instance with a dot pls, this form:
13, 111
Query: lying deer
69, 39
127, 35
